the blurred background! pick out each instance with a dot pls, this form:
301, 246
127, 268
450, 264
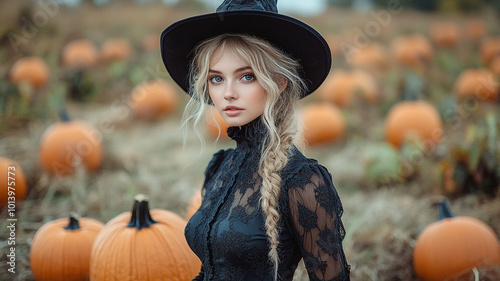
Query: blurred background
408, 117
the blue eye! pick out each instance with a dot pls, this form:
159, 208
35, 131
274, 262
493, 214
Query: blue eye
248, 77
216, 79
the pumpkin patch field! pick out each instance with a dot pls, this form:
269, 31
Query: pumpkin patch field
98, 176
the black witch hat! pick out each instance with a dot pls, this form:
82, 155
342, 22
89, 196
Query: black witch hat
254, 17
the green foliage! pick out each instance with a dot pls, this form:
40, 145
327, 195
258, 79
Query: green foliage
475, 160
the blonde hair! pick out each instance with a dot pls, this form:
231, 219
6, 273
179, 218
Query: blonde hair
273, 70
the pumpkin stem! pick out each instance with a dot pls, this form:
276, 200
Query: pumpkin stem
63, 114
73, 221
141, 217
444, 210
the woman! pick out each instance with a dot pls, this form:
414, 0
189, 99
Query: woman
265, 205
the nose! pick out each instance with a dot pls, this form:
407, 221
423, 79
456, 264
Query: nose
230, 92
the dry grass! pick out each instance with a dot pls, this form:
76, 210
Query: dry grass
382, 222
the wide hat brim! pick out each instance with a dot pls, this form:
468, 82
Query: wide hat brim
294, 37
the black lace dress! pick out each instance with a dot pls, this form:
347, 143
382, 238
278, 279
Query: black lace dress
228, 234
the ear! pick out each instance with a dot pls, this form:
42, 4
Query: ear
282, 83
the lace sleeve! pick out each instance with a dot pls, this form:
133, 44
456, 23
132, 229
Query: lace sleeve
315, 214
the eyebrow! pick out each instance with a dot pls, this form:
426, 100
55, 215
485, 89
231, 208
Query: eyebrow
236, 71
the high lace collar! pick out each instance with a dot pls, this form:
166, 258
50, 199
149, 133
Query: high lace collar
251, 134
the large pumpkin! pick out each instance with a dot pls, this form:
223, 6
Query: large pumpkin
153, 100
66, 144
323, 123
143, 245
345, 87
12, 183
80, 53
31, 70
413, 119
480, 83
216, 126
61, 249
451, 247
414, 51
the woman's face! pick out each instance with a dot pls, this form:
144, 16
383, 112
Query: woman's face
237, 95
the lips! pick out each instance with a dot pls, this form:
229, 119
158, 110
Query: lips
232, 111
232, 107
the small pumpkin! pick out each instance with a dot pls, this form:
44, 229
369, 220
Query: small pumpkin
193, 205
116, 49
475, 29
410, 119
61, 249
153, 100
344, 87
12, 182
489, 49
371, 57
445, 34
414, 51
323, 123
151, 43
32, 70
451, 247
80, 53
216, 126
479, 83
495, 65
66, 144
143, 245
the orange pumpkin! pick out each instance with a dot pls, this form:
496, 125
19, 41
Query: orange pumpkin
445, 34
495, 66
490, 48
413, 119
193, 205
323, 123
414, 51
143, 245
153, 100
61, 249
80, 53
12, 183
372, 57
64, 145
475, 29
333, 41
450, 248
31, 70
344, 87
116, 49
216, 126
480, 83
151, 42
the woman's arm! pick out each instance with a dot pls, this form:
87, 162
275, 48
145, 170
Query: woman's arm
315, 214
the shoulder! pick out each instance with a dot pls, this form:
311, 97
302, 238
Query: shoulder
216, 161
301, 171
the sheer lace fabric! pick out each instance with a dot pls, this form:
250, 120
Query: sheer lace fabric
228, 233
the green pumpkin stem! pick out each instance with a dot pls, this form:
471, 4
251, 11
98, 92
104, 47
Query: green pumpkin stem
444, 210
141, 218
73, 222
